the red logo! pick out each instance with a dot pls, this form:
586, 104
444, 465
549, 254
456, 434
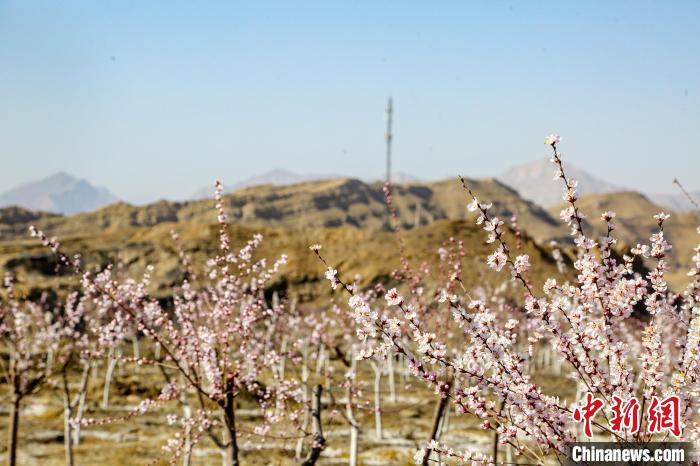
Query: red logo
665, 415
587, 413
662, 415
625, 416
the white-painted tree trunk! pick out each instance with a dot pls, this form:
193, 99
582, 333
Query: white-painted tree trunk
354, 431
557, 364
354, 428
378, 431
67, 434
82, 403
187, 414
321, 357
283, 357
70, 439
392, 384
304, 399
135, 348
112, 359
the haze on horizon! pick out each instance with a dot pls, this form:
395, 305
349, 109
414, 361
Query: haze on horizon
155, 100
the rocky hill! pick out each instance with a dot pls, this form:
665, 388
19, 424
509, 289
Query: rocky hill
312, 205
349, 217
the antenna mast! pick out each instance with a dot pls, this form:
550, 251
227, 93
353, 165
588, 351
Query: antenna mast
389, 136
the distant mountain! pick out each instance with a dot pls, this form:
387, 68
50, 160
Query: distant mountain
534, 181
59, 193
677, 202
275, 177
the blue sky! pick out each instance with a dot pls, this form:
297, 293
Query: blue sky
156, 99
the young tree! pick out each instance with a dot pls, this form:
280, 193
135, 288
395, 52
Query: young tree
589, 322
214, 343
41, 340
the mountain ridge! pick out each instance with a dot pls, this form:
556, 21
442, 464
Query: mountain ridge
58, 193
283, 177
313, 204
352, 208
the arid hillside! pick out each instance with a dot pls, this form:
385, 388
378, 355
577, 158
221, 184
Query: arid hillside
347, 216
304, 206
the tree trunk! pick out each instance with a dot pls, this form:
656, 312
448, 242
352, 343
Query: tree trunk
320, 358
557, 364
509, 454
67, 414
496, 436
494, 452
439, 412
67, 434
283, 357
231, 448
135, 349
377, 400
80, 402
319, 440
12, 432
445, 422
111, 364
392, 383
49, 362
305, 400
354, 430
187, 414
